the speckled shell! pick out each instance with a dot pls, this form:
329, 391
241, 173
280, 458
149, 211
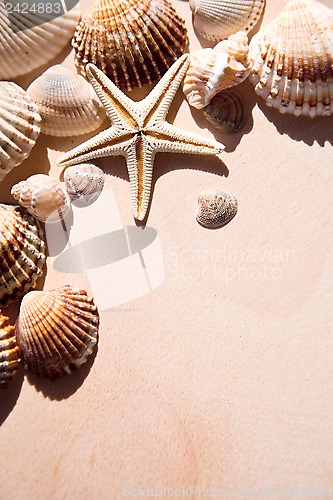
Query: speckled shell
19, 126
43, 197
293, 60
226, 111
216, 20
22, 252
25, 46
215, 208
133, 42
56, 331
212, 70
66, 102
9, 357
84, 183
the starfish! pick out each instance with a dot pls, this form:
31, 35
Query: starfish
139, 130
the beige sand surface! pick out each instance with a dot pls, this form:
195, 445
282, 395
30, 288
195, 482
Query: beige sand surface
214, 366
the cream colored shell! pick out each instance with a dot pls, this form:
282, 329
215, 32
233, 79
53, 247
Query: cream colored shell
66, 102
133, 42
43, 197
19, 126
24, 46
22, 252
293, 60
84, 183
226, 111
216, 208
218, 19
212, 70
9, 358
56, 331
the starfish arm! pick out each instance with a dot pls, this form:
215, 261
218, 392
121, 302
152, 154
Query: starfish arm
111, 141
168, 138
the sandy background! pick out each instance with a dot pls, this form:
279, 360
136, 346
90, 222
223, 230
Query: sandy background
214, 363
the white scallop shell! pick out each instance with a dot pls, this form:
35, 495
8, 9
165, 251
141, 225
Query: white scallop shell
218, 19
19, 126
226, 111
216, 208
84, 183
212, 70
25, 46
293, 60
43, 197
66, 102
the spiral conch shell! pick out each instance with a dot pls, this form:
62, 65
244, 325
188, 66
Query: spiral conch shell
43, 197
133, 42
212, 70
216, 208
56, 331
29, 40
66, 102
19, 126
84, 183
293, 60
216, 20
9, 357
226, 111
22, 252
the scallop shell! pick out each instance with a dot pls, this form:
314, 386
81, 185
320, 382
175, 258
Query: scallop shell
84, 183
226, 111
22, 252
19, 126
293, 60
43, 197
218, 19
9, 358
66, 102
56, 331
133, 42
212, 70
216, 208
31, 36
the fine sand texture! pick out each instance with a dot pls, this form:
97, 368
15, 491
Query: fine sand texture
214, 368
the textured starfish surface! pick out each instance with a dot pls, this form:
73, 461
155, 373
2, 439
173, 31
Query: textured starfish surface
139, 130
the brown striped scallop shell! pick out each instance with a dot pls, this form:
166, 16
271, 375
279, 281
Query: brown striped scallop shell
133, 42
56, 331
22, 252
216, 208
9, 358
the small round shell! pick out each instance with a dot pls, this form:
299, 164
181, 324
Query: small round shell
226, 111
66, 102
19, 126
213, 70
43, 197
9, 358
84, 183
56, 331
215, 20
216, 208
22, 252
133, 42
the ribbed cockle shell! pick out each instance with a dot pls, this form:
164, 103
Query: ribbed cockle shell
9, 358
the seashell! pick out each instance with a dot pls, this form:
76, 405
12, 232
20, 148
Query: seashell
293, 60
133, 42
66, 102
56, 331
22, 252
19, 126
226, 111
84, 183
213, 70
27, 41
215, 208
43, 197
216, 20
9, 358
